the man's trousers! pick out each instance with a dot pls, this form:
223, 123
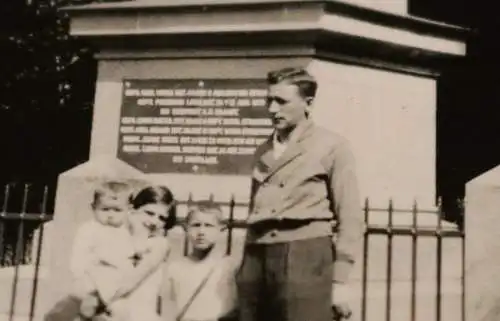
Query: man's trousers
286, 281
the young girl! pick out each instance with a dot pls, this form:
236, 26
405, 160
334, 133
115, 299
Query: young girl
132, 292
201, 286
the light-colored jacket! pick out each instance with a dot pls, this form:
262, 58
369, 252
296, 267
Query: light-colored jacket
309, 189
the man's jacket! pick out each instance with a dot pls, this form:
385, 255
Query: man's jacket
309, 189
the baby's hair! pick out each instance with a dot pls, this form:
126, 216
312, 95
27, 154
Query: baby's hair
205, 206
110, 189
157, 195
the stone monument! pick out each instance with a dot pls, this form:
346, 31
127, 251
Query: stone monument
180, 93
483, 249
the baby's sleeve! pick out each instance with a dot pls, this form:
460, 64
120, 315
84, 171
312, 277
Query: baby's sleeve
81, 257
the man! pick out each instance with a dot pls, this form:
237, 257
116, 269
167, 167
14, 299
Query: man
303, 181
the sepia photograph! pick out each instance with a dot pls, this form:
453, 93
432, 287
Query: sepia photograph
249, 160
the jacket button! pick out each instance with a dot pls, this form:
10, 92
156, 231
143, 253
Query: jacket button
282, 185
272, 234
273, 211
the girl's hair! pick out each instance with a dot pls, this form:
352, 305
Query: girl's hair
157, 195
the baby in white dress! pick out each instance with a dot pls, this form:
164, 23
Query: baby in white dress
117, 265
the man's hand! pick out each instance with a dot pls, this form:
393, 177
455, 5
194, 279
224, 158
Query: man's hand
342, 294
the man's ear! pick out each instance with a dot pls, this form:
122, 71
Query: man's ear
309, 104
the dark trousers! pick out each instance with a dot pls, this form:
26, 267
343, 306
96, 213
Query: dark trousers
286, 281
68, 309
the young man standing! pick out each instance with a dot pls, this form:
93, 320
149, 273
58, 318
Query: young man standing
303, 181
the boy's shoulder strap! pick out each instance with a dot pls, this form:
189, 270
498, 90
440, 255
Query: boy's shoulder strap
197, 291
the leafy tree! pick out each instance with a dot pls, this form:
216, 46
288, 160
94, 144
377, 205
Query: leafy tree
46, 91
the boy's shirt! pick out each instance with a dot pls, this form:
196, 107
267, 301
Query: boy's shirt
218, 297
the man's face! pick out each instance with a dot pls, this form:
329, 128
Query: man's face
286, 106
203, 230
111, 211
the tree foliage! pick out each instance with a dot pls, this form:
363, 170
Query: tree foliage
46, 91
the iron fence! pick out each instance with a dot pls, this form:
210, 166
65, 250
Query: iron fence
416, 232
17, 226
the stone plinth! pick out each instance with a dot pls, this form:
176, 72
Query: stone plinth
482, 222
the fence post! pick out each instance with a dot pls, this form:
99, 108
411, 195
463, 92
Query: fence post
365, 262
230, 224
6, 195
189, 204
19, 250
389, 232
39, 252
439, 259
414, 242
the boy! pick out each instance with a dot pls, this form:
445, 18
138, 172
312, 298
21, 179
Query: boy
201, 286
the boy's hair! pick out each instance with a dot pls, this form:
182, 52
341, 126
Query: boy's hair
298, 76
111, 189
205, 207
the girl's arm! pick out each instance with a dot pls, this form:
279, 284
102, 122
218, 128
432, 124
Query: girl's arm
168, 298
134, 276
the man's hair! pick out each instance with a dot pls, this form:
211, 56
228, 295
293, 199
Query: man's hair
305, 82
207, 207
111, 189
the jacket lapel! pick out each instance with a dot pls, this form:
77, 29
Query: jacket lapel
295, 147
265, 161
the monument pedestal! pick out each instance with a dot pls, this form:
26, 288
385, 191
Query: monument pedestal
483, 249
179, 97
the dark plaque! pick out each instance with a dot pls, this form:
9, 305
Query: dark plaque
204, 126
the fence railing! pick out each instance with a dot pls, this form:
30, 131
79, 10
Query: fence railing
17, 230
437, 231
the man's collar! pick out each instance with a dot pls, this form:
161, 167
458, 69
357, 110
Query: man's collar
276, 141
294, 134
